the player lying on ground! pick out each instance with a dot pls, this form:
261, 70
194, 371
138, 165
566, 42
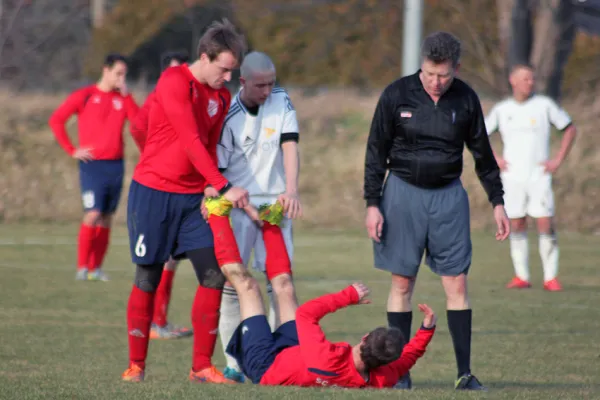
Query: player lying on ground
298, 353
265, 162
101, 111
160, 328
163, 207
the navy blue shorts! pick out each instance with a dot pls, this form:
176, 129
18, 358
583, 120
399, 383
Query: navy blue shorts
163, 224
101, 183
255, 347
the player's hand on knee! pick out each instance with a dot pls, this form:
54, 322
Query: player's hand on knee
429, 319
374, 223
83, 154
292, 207
253, 214
363, 292
237, 196
502, 223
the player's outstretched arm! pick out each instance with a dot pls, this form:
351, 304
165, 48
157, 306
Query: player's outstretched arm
416, 347
316, 350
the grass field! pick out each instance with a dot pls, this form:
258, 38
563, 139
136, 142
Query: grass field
61, 339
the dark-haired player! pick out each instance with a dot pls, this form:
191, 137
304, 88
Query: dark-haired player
298, 353
101, 111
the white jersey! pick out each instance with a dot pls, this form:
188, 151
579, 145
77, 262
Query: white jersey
250, 146
525, 129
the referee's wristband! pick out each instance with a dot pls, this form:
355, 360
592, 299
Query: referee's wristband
225, 188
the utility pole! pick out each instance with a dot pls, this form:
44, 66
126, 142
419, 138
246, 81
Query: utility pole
98, 8
413, 31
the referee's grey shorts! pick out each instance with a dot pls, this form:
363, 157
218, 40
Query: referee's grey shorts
416, 220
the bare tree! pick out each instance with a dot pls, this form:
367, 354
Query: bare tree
542, 34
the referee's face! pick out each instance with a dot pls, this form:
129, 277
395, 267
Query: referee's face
437, 77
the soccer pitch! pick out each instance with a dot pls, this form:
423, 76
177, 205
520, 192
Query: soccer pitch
62, 339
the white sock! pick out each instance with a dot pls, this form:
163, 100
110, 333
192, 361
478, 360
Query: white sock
549, 254
229, 321
519, 251
273, 313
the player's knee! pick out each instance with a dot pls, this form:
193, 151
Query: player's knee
147, 277
283, 285
92, 217
207, 268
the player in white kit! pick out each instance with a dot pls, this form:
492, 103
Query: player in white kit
258, 151
525, 121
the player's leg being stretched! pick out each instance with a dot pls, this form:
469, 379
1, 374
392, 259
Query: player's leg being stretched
161, 328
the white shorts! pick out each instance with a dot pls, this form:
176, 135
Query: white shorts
534, 198
248, 236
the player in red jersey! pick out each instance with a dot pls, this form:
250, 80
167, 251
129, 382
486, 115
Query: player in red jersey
101, 111
298, 353
160, 328
163, 210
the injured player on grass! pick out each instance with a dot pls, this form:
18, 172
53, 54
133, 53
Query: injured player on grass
298, 354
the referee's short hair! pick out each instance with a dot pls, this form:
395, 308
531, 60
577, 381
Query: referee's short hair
440, 47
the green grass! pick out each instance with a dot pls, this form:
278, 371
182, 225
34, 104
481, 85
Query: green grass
61, 339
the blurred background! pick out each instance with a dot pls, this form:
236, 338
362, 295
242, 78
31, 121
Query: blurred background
333, 56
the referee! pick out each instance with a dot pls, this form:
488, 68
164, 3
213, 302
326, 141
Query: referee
418, 133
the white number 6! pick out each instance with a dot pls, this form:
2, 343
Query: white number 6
140, 246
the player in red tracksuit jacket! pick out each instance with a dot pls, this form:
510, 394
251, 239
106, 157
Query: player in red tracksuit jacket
160, 328
298, 353
101, 111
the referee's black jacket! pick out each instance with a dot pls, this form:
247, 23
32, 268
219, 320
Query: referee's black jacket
422, 142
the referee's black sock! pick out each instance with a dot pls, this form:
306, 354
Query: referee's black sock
402, 321
459, 324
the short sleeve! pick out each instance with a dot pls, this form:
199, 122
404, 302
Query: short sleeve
558, 116
290, 129
491, 121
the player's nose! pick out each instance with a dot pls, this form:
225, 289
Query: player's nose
227, 76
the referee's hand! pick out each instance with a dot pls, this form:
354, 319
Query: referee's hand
374, 223
502, 222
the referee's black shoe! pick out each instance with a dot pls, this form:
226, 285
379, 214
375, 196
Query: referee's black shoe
469, 382
404, 383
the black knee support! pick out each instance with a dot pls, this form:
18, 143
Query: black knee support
207, 268
147, 277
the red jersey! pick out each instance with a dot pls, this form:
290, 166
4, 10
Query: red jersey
100, 119
139, 126
317, 362
184, 125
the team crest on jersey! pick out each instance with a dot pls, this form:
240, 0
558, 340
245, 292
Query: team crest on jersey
269, 132
405, 114
117, 103
213, 107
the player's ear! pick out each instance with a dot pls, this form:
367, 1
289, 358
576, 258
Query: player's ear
242, 80
456, 69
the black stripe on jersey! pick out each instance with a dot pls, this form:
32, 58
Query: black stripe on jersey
278, 89
243, 107
223, 102
230, 115
289, 137
232, 109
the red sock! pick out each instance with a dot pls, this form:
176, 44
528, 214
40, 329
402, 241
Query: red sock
226, 249
139, 316
205, 322
163, 297
99, 247
85, 245
278, 260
